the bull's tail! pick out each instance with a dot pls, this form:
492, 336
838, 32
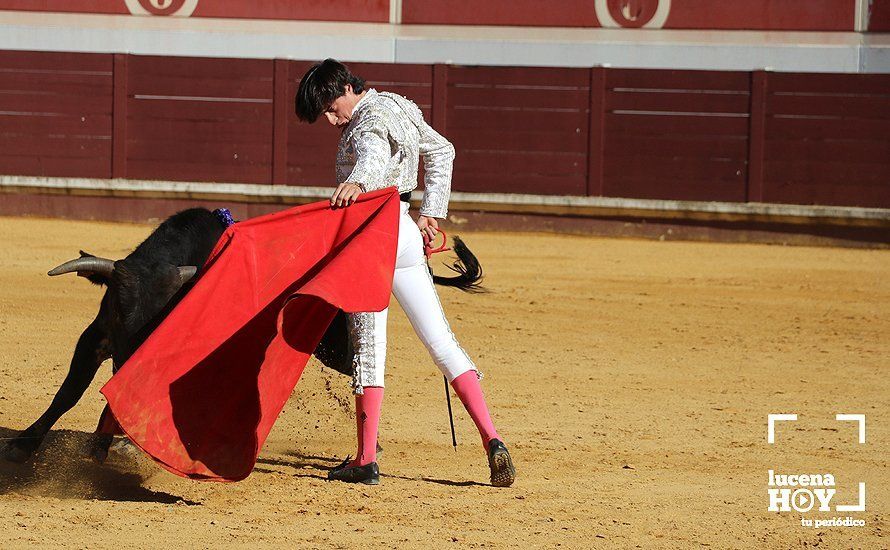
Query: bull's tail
467, 267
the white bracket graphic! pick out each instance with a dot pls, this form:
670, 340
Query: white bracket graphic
771, 425
854, 418
854, 507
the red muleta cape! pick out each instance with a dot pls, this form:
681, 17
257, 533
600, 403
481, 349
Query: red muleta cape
201, 394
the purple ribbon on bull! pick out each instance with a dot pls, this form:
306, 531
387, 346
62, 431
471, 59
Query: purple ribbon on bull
225, 217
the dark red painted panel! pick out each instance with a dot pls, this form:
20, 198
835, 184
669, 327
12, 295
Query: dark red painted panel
873, 196
95, 64
530, 121
851, 151
211, 131
51, 165
231, 152
569, 13
198, 171
817, 83
56, 103
693, 102
382, 73
684, 14
831, 105
677, 146
56, 82
828, 139
92, 125
536, 184
827, 128
249, 113
677, 80
676, 134
658, 125
837, 172
146, 83
56, 147
199, 119
664, 134
656, 168
202, 67
810, 15
374, 11
509, 120
879, 20
413, 81
311, 10
542, 77
56, 114
531, 97
312, 175
497, 139
671, 188
74, 6
494, 163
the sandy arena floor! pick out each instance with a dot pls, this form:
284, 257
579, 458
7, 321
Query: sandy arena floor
631, 379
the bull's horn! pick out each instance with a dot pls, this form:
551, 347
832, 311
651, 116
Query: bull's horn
186, 272
101, 266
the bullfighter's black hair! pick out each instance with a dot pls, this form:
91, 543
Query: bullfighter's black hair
321, 85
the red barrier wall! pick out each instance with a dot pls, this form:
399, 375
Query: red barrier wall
56, 114
655, 134
675, 134
529, 121
879, 16
812, 15
374, 11
827, 139
194, 119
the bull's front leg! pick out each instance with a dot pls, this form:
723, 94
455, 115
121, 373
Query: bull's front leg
92, 349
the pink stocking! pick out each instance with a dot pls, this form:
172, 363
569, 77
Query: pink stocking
470, 392
367, 418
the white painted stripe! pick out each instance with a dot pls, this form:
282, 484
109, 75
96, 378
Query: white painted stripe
860, 21
272, 192
395, 12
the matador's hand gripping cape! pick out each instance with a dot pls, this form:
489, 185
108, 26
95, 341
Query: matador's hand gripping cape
201, 394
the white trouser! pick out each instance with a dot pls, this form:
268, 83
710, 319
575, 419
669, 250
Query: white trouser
413, 287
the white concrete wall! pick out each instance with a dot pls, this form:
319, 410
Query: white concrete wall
519, 46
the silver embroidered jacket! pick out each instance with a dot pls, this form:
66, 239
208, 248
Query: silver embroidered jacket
381, 146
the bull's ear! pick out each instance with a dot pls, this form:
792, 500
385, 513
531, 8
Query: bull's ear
186, 273
95, 278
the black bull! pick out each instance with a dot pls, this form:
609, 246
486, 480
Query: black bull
143, 288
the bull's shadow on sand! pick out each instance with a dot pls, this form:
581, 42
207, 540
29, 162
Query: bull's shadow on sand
303, 463
61, 469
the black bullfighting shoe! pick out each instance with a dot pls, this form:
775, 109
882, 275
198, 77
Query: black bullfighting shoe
369, 474
503, 474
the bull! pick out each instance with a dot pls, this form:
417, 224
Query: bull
143, 288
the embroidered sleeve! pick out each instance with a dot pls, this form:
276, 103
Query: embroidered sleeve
438, 162
372, 153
